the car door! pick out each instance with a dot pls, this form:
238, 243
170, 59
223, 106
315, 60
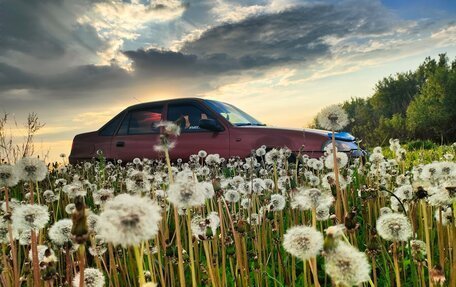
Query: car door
193, 138
138, 134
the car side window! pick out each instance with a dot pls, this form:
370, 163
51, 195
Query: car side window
143, 121
110, 128
188, 116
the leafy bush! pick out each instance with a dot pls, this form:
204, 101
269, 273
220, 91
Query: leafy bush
421, 144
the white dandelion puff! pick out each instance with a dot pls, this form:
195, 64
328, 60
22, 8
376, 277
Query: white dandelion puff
311, 198
138, 182
70, 208
4, 231
202, 153
185, 194
346, 265
102, 195
170, 128
304, 242
31, 169
232, 196
394, 227
128, 220
8, 175
333, 117
92, 278
30, 217
49, 196
342, 160
60, 232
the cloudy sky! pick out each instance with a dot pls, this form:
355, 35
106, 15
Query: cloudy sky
79, 62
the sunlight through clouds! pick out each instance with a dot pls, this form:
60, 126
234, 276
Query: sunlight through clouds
117, 21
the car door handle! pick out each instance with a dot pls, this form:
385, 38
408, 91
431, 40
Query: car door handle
120, 144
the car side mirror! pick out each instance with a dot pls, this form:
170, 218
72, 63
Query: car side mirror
210, 124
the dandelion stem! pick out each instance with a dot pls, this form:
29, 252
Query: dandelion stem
209, 263
190, 248
427, 239
11, 239
139, 264
339, 212
396, 265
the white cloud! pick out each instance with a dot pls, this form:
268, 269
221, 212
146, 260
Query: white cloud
229, 11
118, 21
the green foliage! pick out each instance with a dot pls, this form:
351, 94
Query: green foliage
416, 104
421, 145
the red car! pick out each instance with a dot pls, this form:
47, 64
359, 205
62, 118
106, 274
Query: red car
213, 126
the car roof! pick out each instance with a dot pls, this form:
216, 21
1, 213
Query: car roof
170, 101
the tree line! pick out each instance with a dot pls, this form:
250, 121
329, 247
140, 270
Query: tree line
414, 105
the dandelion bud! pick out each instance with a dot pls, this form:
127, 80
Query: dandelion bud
79, 229
241, 226
437, 275
350, 221
230, 250
421, 193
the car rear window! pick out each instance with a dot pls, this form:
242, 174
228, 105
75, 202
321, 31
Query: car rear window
142, 121
110, 128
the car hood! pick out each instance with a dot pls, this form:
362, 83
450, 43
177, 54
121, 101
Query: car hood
343, 136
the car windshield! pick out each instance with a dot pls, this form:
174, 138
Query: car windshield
233, 114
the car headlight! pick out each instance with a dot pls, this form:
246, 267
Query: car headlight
341, 145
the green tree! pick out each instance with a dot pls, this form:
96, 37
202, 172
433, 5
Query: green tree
427, 116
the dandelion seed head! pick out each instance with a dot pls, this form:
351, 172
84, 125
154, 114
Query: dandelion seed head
272, 156
438, 196
232, 195
60, 232
185, 194
346, 265
277, 202
127, 220
30, 217
212, 159
169, 128
70, 208
202, 154
206, 188
333, 117
8, 175
42, 250
102, 195
446, 218
4, 235
245, 202
31, 169
92, 278
322, 213
49, 196
342, 160
138, 182
418, 247
74, 189
329, 179
303, 242
394, 227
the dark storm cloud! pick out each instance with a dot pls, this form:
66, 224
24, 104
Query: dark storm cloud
160, 63
298, 33
289, 37
80, 78
293, 36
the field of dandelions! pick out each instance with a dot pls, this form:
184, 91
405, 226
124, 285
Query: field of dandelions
265, 220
